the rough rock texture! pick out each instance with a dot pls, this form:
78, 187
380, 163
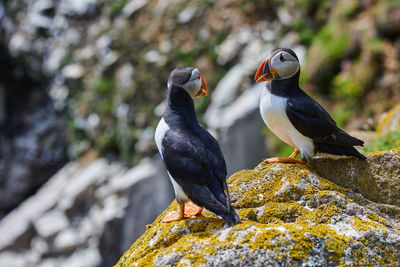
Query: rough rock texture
390, 121
292, 215
33, 143
85, 215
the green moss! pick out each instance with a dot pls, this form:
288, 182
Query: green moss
389, 141
325, 55
115, 7
347, 87
341, 114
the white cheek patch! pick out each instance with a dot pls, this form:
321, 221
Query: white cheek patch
192, 86
286, 68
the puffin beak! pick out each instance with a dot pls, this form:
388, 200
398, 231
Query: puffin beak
264, 72
203, 91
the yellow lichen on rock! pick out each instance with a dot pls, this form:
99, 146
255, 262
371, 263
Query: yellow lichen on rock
291, 215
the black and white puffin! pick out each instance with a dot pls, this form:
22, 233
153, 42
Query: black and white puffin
295, 117
193, 159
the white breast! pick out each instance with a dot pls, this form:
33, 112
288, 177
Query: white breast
273, 112
161, 130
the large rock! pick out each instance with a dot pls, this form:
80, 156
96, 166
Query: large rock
76, 217
292, 215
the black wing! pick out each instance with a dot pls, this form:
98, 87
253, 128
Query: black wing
196, 163
193, 159
310, 119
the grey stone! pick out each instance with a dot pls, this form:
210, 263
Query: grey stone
39, 245
32, 153
145, 184
51, 223
153, 56
230, 47
239, 130
17, 225
51, 262
8, 259
187, 14
73, 71
76, 7
83, 209
54, 60
125, 76
83, 258
132, 6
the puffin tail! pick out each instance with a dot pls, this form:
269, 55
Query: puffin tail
344, 139
217, 187
212, 197
339, 150
232, 218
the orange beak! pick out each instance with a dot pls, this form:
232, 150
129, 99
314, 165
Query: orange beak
264, 72
203, 91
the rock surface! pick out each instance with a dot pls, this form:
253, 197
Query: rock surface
292, 215
85, 215
390, 121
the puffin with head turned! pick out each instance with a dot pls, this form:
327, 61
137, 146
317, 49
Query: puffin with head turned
295, 117
193, 158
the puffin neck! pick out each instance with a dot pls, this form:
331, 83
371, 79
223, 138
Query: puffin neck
284, 87
180, 103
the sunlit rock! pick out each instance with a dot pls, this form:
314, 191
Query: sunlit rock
292, 215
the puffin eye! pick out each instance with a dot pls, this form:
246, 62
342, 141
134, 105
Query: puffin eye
282, 58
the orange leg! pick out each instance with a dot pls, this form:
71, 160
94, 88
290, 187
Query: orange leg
185, 211
290, 159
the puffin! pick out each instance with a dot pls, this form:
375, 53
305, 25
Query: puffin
294, 116
192, 156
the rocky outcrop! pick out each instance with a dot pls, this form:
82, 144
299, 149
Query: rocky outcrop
85, 215
33, 141
330, 212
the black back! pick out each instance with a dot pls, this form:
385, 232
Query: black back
193, 157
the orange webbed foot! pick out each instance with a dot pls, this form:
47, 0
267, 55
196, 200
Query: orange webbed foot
185, 211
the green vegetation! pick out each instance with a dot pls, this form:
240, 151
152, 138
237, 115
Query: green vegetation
389, 141
349, 48
115, 7
341, 114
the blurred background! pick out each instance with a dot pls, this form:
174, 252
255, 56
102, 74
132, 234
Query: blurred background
83, 84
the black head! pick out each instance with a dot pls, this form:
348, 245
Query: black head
281, 64
188, 79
